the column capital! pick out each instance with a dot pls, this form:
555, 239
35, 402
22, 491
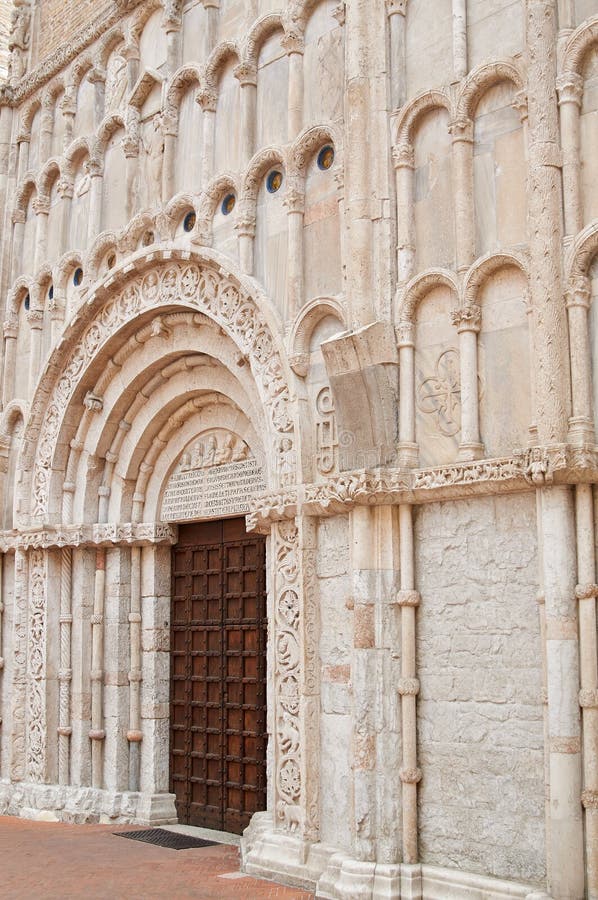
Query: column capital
35, 319
96, 76
579, 292
467, 318
403, 156
10, 330
207, 99
294, 200
65, 188
405, 332
245, 224
396, 8
461, 130
41, 205
293, 42
18, 217
246, 74
94, 167
569, 87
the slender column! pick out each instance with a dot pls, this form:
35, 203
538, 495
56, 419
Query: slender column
581, 423
404, 162
570, 91
566, 863
245, 228
171, 128
97, 733
134, 734
65, 674
295, 204
41, 207
397, 21
208, 99
294, 44
11, 330
57, 307
65, 192
246, 75
18, 239
45, 136
35, 318
174, 46
97, 77
212, 8
459, 39
95, 170
131, 54
408, 449
131, 149
462, 132
68, 108
467, 320
409, 685
587, 592
24, 141
1, 613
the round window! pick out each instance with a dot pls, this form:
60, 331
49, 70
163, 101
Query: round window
326, 158
228, 204
78, 277
189, 221
274, 181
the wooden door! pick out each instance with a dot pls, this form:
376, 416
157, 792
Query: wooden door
218, 675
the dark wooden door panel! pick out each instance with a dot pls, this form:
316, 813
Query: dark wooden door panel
218, 675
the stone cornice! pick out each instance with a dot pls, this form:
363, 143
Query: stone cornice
525, 470
64, 55
109, 535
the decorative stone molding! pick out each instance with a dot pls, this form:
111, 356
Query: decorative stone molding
467, 318
103, 535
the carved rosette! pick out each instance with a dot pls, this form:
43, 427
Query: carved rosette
36, 682
209, 292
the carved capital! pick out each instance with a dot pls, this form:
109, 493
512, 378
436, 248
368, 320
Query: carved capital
94, 167
408, 687
246, 74
579, 292
35, 319
405, 332
93, 403
131, 147
245, 225
65, 189
396, 8
96, 76
294, 200
467, 318
462, 130
293, 42
403, 156
11, 330
570, 88
588, 698
586, 591
589, 799
18, 217
41, 205
520, 104
207, 99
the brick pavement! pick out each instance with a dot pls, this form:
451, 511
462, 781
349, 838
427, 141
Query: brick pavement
56, 862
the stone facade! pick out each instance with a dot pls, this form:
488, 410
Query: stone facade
330, 265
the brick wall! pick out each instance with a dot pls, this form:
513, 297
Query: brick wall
62, 19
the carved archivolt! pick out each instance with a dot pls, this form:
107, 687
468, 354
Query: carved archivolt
421, 285
481, 80
171, 283
579, 44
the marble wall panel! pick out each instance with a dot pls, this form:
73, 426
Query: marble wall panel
195, 33
589, 138
29, 234
434, 219
272, 93
189, 146
114, 185
85, 115
323, 66
480, 718
437, 380
152, 46
227, 147
499, 172
429, 45
321, 234
58, 130
271, 245
494, 28
504, 364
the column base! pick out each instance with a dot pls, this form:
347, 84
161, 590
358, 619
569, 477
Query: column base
85, 805
408, 454
580, 432
470, 451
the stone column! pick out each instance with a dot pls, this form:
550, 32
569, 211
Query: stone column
467, 320
171, 130
587, 592
208, 100
459, 39
134, 734
246, 75
462, 133
174, 45
131, 54
581, 423
65, 674
65, 192
131, 150
68, 108
41, 207
294, 44
212, 8
565, 831
295, 204
18, 239
98, 78
570, 91
23, 141
45, 136
245, 228
35, 318
408, 449
409, 600
403, 159
11, 331
397, 13
95, 170
97, 733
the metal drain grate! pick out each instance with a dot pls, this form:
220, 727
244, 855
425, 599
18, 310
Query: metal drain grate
172, 840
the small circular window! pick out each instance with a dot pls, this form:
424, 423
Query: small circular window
274, 181
228, 204
326, 158
51, 292
189, 222
27, 302
78, 277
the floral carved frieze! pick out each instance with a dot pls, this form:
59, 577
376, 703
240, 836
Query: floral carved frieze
208, 291
100, 535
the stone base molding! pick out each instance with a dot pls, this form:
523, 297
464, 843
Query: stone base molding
334, 875
85, 805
